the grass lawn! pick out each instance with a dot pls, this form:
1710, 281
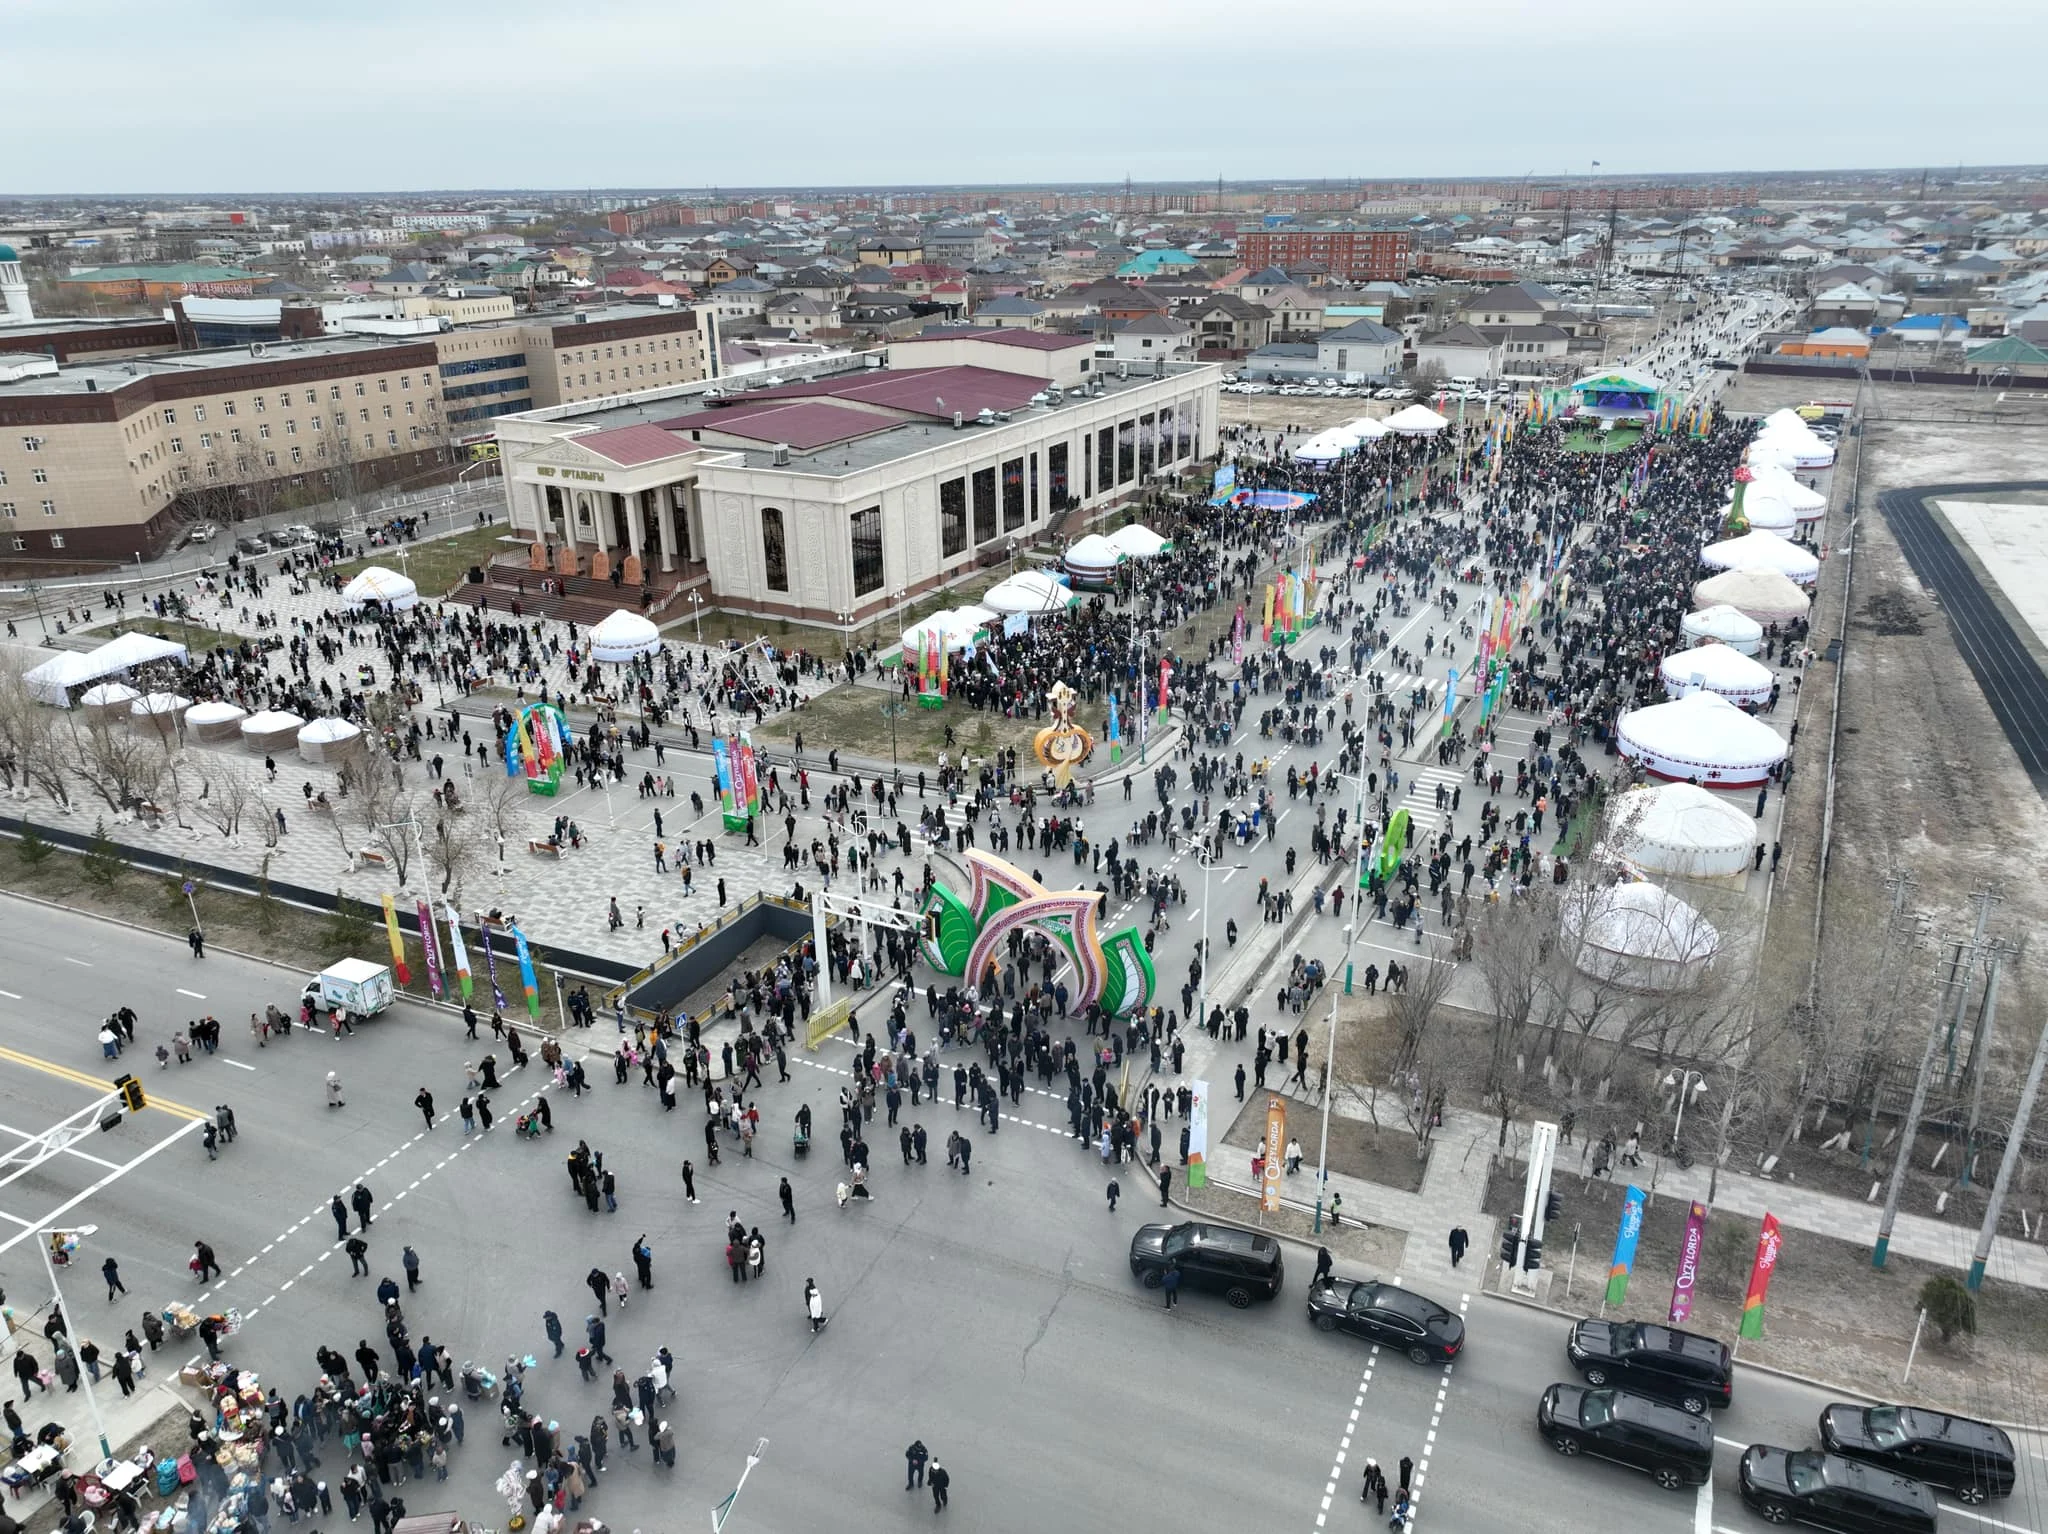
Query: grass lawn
850, 718
1589, 441
437, 565
196, 637
826, 639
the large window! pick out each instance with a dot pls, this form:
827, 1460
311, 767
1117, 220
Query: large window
1167, 451
1185, 425
952, 517
1056, 469
1105, 460
775, 550
984, 505
1013, 494
867, 551
1126, 451
1147, 434
1035, 502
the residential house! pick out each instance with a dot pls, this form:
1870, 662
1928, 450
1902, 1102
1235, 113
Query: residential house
741, 298
1528, 350
1229, 325
1297, 313
1513, 303
1843, 304
1011, 313
1460, 352
800, 315
1362, 347
1154, 338
1838, 341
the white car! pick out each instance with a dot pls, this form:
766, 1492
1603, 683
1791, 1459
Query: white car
205, 533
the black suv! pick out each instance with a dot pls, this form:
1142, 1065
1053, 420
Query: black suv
1675, 1448
1684, 1368
1830, 1492
1972, 1459
1240, 1265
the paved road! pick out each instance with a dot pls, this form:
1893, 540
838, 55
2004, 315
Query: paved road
2013, 682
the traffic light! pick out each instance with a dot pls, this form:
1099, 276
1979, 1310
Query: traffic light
1510, 1238
1532, 1258
131, 1093
1553, 1206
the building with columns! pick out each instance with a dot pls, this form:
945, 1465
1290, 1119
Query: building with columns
835, 495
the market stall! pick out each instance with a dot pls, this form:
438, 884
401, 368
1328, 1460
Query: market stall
214, 722
329, 741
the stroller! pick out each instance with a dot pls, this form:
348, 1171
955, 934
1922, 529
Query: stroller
529, 1125
803, 1141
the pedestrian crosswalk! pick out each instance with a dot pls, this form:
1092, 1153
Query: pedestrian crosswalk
1421, 801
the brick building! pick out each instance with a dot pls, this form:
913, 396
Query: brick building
1351, 255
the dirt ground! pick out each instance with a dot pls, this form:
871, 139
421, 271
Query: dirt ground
1385, 1156
1830, 1314
850, 718
1361, 1249
1268, 412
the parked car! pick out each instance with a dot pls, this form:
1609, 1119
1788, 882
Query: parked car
249, 543
1240, 1265
1673, 1447
1383, 1313
1684, 1368
1830, 1492
204, 533
1972, 1459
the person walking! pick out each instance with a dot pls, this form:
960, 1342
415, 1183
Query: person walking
600, 1288
814, 1307
110, 1270
914, 1460
1170, 1282
203, 1261
552, 1324
1165, 1185
410, 1261
339, 1210
358, 1249
1407, 1473
425, 1103
788, 1197
939, 1479
1324, 1262
1115, 1192
643, 1261
689, 1182
1459, 1241
1375, 1488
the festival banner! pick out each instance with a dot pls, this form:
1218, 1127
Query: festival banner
432, 947
748, 788
721, 771
1198, 1136
1165, 671
1768, 1241
527, 978
1688, 1275
1266, 624
1625, 1240
490, 964
1116, 728
458, 953
1237, 637
397, 943
1225, 479
1450, 698
1276, 1154
945, 666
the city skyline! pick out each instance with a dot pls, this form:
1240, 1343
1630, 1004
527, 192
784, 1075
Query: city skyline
410, 98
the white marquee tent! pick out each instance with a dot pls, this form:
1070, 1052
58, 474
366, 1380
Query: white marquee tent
1763, 551
1139, 541
214, 721
1763, 595
1323, 447
956, 628
51, 680
1718, 669
1416, 421
271, 730
1366, 428
329, 740
1724, 625
1700, 737
1675, 828
1030, 591
1639, 935
623, 636
378, 584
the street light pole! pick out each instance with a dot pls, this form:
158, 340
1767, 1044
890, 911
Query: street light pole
1350, 938
92, 1401
724, 1509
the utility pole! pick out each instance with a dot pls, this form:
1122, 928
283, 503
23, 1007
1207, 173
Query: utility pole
2014, 1138
1985, 898
1979, 1063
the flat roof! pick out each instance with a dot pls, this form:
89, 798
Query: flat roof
107, 376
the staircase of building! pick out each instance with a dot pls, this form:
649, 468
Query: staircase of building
579, 599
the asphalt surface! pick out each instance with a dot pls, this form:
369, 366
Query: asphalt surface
2013, 682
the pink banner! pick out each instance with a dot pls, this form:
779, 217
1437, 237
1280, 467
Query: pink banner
430, 941
1688, 1264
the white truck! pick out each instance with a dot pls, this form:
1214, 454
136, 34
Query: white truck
354, 987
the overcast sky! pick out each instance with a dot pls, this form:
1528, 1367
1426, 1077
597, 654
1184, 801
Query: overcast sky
111, 96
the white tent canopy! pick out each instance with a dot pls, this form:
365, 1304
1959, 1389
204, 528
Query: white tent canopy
1717, 669
1092, 558
1416, 421
1763, 595
270, 721
1030, 591
107, 694
1766, 513
1366, 428
1786, 428
1324, 447
1773, 481
621, 637
1768, 453
378, 584
157, 703
1725, 625
1138, 541
1639, 935
1701, 737
49, 681
1763, 551
1676, 828
955, 627
214, 711
328, 732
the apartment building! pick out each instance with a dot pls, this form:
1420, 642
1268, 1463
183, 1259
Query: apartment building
1350, 255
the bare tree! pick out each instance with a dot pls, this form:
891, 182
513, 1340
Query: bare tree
383, 809
225, 794
1517, 941
123, 769
1428, 1061
455, 849
33, 739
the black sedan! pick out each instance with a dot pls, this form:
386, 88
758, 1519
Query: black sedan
1830, 1492
1398, 1318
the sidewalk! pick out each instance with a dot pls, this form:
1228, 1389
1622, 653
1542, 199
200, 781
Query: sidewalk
128, 1420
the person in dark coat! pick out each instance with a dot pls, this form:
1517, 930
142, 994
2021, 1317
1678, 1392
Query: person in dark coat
939, 1479
1459, 1241
914, 1459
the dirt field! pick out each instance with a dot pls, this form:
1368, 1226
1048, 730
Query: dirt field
1268, 412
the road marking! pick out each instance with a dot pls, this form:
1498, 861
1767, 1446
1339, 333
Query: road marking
11, 996
69, 1204
1703, 1508
98, 1084
193, 994
238, 1065
79, 962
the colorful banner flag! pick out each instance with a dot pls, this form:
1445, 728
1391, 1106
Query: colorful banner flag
490, 964
1450, 698
1688, 1275
458, 954
397, 943
721, 770
1116, 728
1625, 1240
1165, 671
1266, 624
432, 947
1768, 1240
1237, 637
528, 980
1198, 1136
1276, 1154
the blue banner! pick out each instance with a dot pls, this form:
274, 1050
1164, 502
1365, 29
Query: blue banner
527, 978
721, 769
1115, 725
1625, 1245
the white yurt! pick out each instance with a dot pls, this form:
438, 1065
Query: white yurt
1675, 828
1416, 421
157, 711
1030, 591
215, 721
1762, 551
1766, 513
623, 636
1139, 541
1639, 935
378, 584
1366, 428
1808, 505
271, 731
1763, 595
955, 628
1768, 454
1701, 738
1784, 427
1723, 625
1323, 448
329, 740
105, 702
1091, 559
1718, 669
